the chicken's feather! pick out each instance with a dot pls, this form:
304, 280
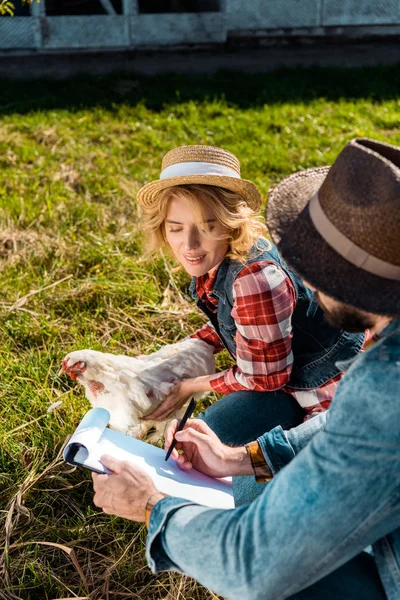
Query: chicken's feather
130, 388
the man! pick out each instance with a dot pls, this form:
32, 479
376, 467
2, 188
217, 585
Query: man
304, 537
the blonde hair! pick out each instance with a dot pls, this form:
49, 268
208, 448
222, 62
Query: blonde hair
244, 226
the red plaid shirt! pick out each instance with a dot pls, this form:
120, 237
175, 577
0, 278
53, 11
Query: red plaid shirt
264, 301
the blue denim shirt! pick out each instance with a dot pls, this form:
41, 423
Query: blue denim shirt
316, 345
337, 491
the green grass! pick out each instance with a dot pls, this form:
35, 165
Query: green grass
72, 156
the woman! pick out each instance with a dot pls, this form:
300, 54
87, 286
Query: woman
284, 350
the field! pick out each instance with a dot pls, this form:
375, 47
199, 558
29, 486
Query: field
73, 275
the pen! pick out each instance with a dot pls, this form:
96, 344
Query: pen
182, 424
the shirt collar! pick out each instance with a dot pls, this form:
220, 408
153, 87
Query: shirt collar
205, 283
390, 328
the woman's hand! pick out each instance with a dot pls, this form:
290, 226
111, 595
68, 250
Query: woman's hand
178, 395
125, 491
202, 449
176, 398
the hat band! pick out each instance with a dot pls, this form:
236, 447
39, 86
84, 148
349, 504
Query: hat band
183, 169
351, 252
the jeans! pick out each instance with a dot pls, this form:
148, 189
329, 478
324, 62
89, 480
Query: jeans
242, 417
358, 579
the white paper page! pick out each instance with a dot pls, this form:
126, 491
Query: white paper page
167, 476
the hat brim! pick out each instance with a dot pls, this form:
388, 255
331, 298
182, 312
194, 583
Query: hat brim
289, 197
314, 260
148, 194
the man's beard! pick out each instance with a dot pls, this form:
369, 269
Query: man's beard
346, 317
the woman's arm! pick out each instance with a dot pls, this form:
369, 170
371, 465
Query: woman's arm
264, 301
208, 335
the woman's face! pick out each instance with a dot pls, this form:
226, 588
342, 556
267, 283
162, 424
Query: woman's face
197, 252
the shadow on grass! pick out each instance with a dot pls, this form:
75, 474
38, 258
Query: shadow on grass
239, 89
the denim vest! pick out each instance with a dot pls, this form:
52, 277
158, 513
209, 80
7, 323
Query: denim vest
316, 345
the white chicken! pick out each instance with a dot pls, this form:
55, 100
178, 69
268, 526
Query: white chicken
130, 388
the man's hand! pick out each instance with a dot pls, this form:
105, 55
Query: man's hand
202, 449
125, 491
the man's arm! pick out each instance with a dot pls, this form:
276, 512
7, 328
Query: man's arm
320, 511
279, 447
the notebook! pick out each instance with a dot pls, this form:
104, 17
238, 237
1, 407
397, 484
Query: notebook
92, 439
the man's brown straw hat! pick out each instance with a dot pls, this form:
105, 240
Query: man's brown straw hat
205, 165
339, 227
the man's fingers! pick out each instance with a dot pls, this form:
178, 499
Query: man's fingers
185, 465
113, 464
170, 433
171, 430
97, 500
98, 480
202, 426
190, 434
174, 454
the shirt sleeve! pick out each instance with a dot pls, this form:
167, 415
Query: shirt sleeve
264, 301
208, 335
279, 447
320, 511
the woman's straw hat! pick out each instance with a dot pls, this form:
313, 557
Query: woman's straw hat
205, 165
339, 227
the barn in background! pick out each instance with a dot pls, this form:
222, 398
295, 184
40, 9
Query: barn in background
65, 25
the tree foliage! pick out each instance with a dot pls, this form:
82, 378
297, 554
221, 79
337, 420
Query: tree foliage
7, 7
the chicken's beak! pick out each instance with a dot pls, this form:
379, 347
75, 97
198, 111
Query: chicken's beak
64, 367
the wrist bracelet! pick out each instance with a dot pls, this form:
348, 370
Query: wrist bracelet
262, 472
150, 504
